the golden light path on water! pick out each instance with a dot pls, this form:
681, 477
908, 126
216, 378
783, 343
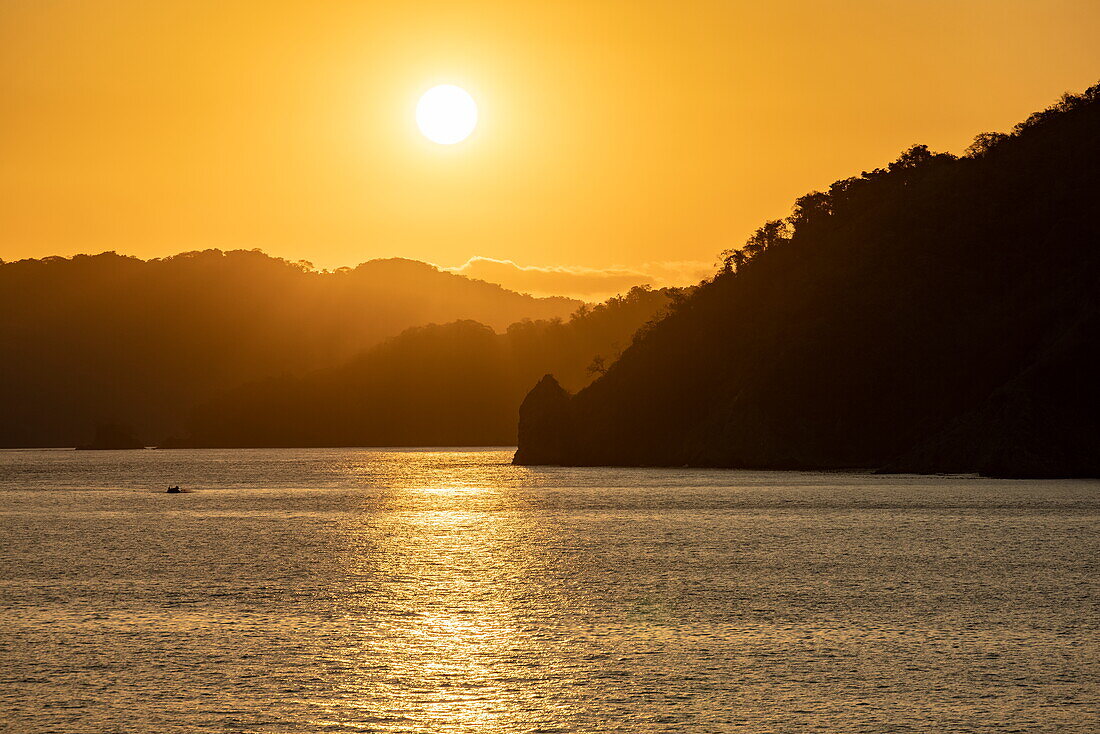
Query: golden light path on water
444, 592
454, 564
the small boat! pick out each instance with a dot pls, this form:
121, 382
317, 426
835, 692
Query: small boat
175, 490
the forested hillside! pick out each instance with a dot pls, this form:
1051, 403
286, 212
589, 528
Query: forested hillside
106, 339
939, 314
455, 384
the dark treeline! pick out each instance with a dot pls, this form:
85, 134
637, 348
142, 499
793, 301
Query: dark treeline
936, 315
120, 344
438, 385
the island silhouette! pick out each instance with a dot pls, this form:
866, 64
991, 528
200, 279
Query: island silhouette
936, 315
99, 339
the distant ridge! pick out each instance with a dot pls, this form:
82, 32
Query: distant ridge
939, 315
106, 338
456, 384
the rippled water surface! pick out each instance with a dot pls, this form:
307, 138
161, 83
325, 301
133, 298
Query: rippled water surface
439, 591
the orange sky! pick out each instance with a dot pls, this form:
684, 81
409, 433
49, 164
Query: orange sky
638, 136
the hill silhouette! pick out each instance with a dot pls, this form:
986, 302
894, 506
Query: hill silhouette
112, 340
455, 384
938, 315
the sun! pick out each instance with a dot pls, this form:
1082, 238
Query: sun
446, 114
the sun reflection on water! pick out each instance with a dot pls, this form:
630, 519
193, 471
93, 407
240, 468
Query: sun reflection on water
454, 489
434, 634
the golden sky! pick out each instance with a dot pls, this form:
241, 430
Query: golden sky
634, 136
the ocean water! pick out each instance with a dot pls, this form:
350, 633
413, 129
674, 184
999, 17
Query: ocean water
353, 590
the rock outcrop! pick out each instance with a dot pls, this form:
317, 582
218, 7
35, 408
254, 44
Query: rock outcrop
545, 430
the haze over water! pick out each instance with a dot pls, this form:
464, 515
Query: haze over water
448, 591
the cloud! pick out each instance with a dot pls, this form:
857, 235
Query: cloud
588, 284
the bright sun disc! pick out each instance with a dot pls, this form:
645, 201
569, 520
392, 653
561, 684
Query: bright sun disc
446, 114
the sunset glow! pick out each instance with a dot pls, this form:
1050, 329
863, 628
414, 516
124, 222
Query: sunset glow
501, 367
609, 138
